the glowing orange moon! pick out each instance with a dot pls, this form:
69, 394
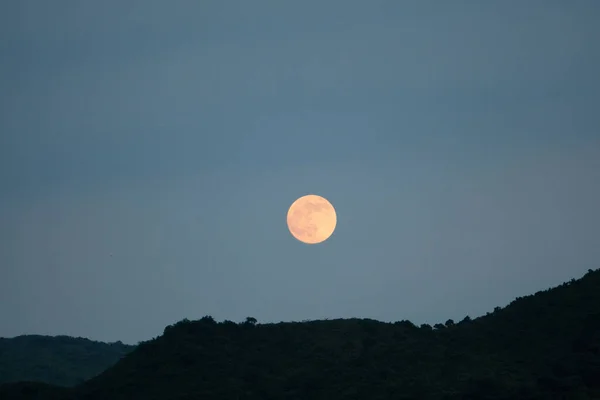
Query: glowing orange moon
311, 219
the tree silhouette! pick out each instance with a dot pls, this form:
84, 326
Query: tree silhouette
540, 347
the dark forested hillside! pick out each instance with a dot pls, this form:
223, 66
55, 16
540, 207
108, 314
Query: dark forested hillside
544, 346
59, 360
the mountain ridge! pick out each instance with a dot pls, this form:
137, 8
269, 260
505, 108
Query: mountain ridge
540, 346
60, 360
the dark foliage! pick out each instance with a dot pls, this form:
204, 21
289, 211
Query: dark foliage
544, 346
58, 360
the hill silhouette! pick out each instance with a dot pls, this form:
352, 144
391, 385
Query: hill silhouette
542, 346
59, 360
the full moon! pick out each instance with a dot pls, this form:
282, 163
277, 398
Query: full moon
311, 219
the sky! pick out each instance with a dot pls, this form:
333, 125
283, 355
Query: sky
149, 151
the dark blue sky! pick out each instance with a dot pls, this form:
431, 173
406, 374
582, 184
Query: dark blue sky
149, 151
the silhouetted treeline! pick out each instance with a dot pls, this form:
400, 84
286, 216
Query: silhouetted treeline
545, 346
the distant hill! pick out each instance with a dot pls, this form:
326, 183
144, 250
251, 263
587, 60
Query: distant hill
544, 346
58, 360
